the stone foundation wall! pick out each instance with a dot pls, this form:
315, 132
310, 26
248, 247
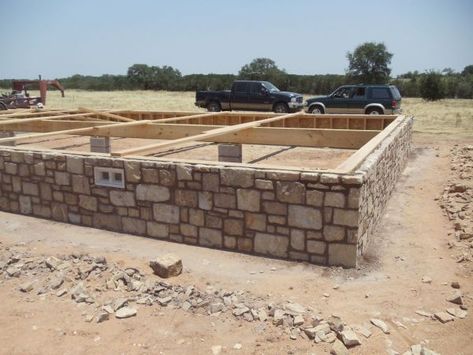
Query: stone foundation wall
381, 170
315, 217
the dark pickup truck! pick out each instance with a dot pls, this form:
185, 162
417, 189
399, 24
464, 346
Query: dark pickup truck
250, 96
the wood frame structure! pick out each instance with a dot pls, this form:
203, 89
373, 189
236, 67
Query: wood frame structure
362, 133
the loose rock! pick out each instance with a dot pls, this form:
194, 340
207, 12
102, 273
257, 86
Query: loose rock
349, 338
125, 312
165, 266
443, 317
380, 324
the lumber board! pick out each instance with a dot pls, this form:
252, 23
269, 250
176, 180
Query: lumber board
357, 158
205, 135
106, 114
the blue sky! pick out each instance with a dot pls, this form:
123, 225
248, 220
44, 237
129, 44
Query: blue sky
58, 38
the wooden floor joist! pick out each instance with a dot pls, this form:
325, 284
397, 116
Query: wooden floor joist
150, 148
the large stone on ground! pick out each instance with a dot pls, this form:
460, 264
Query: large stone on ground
349, 338
165, 266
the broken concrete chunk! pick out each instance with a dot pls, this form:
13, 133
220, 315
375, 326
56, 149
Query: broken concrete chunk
165, 266
380, 324
125, 312
294, 309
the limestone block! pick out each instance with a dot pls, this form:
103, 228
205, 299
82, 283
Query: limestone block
88, 202
157, 230
342, 254
166, 213
334, 233
62, 178
248, 200
225, 200
153, 193
133, 225
255, 221
316, 247
233, 226
304, 217
132, 171
210, 182
297, 239
122, 198
30, 189
345, 217
292, 192
168, 265
210, 237
334, 199
275, 208
80, 184
237, 177
272, 245
315, 198
263, 184
25, 205
186, 198
184, 172
205, 200
75, 165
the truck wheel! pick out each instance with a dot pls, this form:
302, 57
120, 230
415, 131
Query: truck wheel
374, 111
281, 108
316, 110
214, 106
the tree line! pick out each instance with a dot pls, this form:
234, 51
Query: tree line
368, 63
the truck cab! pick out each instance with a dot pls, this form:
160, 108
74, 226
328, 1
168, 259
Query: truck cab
250, 95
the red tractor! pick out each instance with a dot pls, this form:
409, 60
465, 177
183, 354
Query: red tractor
20, 98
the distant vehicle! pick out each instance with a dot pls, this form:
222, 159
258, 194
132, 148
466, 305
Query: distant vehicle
20, 98
361, 99
250, 95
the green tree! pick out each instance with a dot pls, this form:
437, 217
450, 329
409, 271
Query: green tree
431, 86
141, 75
369, 63
263, 69
468, 70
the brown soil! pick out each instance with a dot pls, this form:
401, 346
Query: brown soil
412, 242
315, 158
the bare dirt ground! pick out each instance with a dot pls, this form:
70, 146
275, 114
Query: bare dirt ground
416, 240
315, 158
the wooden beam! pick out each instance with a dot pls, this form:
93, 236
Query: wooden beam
18, 120
106, 114
203, 136
355, 160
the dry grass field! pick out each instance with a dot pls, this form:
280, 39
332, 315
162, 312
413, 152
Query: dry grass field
451, 116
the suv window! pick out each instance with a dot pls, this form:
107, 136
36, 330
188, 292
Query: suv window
342, 93
380, 93
395, 92
359, 93
241, 87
